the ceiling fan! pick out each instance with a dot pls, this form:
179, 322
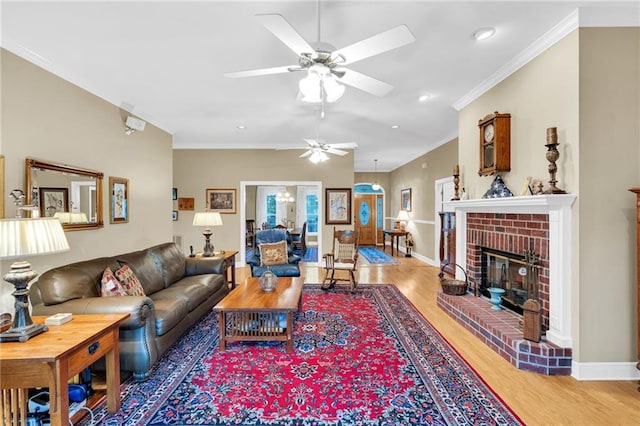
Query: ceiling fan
325, 64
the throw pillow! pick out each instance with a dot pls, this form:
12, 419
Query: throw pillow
129, 281
110, 286
273, 253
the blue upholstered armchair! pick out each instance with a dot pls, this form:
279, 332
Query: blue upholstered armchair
265, 236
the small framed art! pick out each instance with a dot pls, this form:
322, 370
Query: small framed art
337, 206
221, 200
174, 215
174, 194
405, 199
53, 200
119, 205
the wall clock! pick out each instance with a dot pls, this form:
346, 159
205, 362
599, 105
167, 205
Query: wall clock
495, 143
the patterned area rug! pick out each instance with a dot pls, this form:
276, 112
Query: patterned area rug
376, 256
368, 358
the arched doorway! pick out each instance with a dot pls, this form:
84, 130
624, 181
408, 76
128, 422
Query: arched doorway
368, 213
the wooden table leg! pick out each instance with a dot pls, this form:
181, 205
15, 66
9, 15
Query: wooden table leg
289, 331
222, 322
112, 360
59, 399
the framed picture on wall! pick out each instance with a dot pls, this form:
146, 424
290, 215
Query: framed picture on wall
119, 205
337, 206
405, 199
53, 200
174, 194
221, 200
174, 215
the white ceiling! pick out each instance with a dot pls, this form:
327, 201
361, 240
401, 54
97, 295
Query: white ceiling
164, 62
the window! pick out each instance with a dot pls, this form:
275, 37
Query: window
311, 206
272, 212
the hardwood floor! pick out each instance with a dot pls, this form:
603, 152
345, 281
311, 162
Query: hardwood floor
537, 399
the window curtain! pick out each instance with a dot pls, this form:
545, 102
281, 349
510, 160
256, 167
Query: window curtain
261, 204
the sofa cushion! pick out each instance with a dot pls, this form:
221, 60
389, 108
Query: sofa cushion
74, 281
169, 312
145, 268
273, 253
195, 289
170, 260
110, 286
129, 281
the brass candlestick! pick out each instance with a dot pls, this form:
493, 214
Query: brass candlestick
456, 182
552, 156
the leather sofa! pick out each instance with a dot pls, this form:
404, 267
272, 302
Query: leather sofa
266, 236
178, 292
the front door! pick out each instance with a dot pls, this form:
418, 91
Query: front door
365, 218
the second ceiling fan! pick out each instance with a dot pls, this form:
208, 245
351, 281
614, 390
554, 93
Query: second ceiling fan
325, 64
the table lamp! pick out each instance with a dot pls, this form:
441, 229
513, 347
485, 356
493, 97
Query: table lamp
21, 238
207, 219
403, 218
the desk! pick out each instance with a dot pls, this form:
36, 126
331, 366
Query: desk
50, 359
393, 233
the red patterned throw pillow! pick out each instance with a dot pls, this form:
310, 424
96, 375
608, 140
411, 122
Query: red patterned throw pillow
110, 286
129, 281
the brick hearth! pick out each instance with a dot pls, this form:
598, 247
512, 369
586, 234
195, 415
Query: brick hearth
500, 331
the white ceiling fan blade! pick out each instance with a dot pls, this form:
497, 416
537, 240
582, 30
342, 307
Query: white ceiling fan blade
306, 154
286, 33
383, 42
263, 71
346, 145
312, 142
364, 82
336, 151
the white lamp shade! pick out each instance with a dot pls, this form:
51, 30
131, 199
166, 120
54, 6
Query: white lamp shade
403, 215
207, 219
22, 237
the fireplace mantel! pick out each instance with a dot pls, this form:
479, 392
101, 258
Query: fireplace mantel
558, 207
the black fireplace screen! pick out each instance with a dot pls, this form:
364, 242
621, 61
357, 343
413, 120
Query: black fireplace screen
510, 272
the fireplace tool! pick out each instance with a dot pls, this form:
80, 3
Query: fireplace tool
532, 324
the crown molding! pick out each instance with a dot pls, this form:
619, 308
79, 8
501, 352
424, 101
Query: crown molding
551, 37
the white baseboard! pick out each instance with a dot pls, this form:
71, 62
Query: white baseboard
604, 371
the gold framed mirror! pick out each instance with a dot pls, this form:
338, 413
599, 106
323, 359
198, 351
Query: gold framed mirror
72, 194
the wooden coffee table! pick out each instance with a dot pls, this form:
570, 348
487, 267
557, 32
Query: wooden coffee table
250, 314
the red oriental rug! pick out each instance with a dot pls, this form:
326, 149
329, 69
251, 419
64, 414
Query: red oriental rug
368, 358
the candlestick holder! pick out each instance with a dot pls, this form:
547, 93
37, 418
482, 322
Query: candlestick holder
456, 183
552, 156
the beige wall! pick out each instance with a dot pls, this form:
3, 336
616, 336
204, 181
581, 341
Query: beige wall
420, 175
608, 156
48, 118
589, 91
197, 170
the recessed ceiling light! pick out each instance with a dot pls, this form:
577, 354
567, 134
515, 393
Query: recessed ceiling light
241, 127
425, 97
484, 33
395, 126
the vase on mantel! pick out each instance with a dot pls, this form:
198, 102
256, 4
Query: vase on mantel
496, 297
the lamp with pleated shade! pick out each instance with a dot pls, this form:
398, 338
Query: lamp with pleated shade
21, 238
207, 219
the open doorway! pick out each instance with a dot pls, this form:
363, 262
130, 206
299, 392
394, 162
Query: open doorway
283, 212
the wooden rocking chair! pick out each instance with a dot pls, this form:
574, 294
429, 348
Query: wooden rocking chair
343, 257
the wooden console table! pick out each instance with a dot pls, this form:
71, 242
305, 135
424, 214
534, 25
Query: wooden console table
637, 192
50, 359
393, 233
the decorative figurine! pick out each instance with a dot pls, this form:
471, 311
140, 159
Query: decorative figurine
456, 182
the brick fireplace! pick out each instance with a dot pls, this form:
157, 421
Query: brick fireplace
540, 223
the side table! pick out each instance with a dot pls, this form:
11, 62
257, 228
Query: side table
393, 233
52, 358
229, 257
